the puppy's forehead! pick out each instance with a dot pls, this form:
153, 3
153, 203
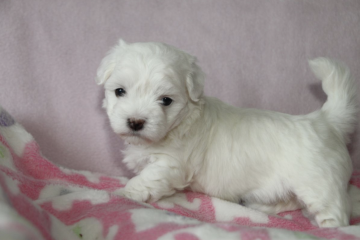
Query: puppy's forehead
146, 70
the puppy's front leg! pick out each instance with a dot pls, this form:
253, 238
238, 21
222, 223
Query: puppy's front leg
161, 177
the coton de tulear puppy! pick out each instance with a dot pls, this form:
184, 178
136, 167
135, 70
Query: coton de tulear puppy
177, 138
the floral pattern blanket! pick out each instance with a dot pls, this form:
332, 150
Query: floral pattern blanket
40, 200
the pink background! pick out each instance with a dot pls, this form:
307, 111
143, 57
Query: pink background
254, 54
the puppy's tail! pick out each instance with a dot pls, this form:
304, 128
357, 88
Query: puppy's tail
341, 107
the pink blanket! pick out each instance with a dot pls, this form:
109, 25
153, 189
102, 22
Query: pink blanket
39, 200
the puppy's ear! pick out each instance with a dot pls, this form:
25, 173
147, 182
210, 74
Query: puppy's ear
195, 81
108, 63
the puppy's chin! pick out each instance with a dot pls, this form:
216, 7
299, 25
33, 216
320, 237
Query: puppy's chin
135, 139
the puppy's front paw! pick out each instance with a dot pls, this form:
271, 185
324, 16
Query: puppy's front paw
135, 190
141, 190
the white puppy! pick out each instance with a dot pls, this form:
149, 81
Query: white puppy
177, 138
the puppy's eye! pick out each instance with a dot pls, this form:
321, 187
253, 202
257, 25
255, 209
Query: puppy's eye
119, 92
166, 101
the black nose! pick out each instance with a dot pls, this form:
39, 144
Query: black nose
135, 124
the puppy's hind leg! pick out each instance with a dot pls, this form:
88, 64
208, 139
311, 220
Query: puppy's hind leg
330, 205
281, 206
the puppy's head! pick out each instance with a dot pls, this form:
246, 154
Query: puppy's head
148, 89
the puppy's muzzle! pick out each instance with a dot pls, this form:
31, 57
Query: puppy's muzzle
135, 124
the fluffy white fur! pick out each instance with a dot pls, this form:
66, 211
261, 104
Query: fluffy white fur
271, 161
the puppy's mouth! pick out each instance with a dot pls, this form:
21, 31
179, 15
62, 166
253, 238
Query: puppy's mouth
134, 138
